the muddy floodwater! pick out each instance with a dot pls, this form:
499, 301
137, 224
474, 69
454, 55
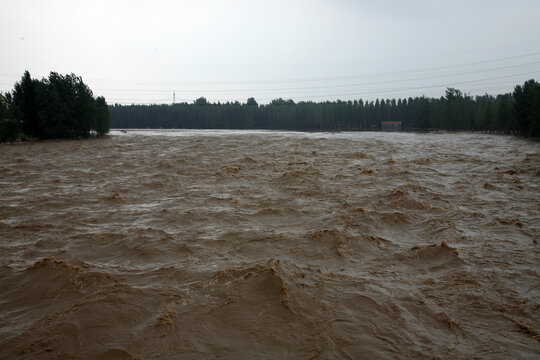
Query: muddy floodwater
270, 245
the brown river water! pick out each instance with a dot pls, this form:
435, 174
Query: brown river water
270, 245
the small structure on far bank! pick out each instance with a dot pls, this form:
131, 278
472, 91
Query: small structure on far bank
390, 125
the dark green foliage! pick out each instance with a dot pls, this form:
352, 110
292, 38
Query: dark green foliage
201, 101
10, 128
25, 99
58, 107
527, 107
455, 111
102, 116
6, 106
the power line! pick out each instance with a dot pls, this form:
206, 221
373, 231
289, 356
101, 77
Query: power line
338, 86
422, 87
312, 79
389, 91
354, 92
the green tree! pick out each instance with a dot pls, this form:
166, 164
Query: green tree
527, 107
57, 107
9, 126
279, 101
453, 111
504, 113
25, 98
423, 113
201, 101
102, 116
251, 102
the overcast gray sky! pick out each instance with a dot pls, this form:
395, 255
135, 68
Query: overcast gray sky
141, 51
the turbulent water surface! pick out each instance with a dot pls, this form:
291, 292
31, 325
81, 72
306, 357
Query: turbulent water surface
270, 245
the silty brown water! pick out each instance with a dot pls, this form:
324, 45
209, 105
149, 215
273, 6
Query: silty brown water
224, 244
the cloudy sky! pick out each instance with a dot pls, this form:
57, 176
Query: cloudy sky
136, 51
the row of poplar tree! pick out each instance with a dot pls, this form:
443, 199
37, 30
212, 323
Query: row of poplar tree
57, 107
517, 112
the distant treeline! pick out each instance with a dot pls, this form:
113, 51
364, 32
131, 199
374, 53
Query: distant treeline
57, 107
518, 112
